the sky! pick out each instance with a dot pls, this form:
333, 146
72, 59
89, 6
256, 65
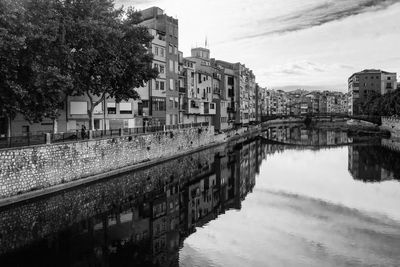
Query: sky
289, 44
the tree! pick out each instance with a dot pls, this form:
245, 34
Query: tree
109, 51
384, 105
33, 76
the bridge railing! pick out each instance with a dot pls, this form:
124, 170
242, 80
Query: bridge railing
369, 118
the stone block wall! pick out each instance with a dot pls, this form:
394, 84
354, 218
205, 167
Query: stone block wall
37, 219
392, 124
38, 167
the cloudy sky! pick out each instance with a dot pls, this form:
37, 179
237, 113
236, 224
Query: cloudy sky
312, 44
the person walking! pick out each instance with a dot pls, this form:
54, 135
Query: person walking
83, 131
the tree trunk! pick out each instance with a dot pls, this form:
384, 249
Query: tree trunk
55, 126
8, 127
91, 119
9, 131
91, 110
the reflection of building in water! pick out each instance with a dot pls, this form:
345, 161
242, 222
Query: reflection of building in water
302, 136
373, 163
150, 229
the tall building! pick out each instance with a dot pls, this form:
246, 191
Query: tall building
240, 91
364, 84
204, 84
230, 85
163, 104
151, 109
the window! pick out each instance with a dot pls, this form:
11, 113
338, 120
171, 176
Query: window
162, 85
78, 107
212, 106
156, 51
98, 109
157, 85
171, 84
171, 102
170, 49
199, 76
230, 80
162, 69
111, 108
171, 66
175, 50
176, 102
389, 78
158, 104
389, 86
156, 66
162, 52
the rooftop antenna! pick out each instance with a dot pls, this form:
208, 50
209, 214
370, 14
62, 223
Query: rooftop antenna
205, 42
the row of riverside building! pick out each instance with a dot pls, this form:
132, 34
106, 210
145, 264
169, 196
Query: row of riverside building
301, 102
187, 90
361, 87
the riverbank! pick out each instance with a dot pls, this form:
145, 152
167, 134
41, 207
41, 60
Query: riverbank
101, 159
34, 168
354, 128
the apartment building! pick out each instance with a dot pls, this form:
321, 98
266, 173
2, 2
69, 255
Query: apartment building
163, 104
191, 89
364, 84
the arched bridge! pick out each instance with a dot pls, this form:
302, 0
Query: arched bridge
331, 116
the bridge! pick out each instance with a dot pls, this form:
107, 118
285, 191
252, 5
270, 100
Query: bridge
330, 116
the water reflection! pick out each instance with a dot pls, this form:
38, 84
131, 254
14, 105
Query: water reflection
141, 217
159, 215
301, 135
374, 163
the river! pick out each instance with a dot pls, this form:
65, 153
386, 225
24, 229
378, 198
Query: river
311, 198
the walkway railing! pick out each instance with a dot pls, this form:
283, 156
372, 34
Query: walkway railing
30, 139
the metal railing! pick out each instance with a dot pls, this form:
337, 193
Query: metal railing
27, 139
30, 139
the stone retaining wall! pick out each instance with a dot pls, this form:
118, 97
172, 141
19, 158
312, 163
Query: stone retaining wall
38, 167
391, 124
37, 219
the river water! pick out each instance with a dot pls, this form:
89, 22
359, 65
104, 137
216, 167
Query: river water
313, 198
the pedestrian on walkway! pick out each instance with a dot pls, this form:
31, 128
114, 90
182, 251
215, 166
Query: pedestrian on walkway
83, 132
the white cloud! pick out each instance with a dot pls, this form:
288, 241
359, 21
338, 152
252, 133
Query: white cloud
357, 34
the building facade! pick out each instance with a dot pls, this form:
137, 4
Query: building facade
367, 83
163, 103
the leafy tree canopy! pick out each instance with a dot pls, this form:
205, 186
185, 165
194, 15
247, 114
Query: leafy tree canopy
33, 80
109, 51
53, 48
383, 105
